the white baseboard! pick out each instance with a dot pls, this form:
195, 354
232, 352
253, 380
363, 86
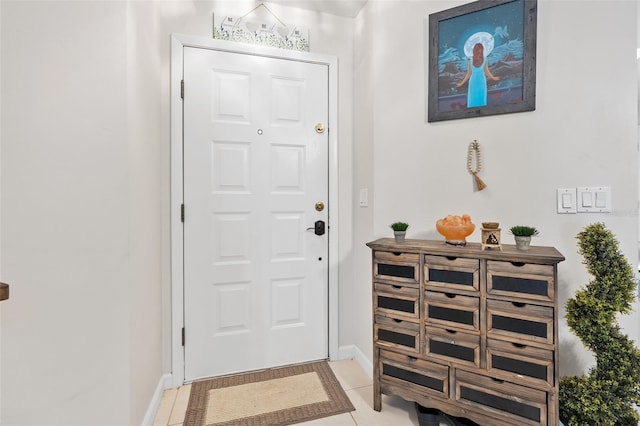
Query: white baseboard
152, 410
354, 352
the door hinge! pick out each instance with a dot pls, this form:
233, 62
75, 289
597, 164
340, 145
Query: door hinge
182, 336
181, 89
182, 213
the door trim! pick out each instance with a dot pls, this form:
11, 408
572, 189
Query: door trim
178, 43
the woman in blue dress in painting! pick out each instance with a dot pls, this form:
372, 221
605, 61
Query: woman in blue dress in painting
478, 69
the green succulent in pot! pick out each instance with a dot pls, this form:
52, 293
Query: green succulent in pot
523, 231
522, 234
399, 230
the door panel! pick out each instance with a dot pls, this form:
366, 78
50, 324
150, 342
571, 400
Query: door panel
256, 280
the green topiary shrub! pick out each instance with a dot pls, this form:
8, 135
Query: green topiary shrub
607, 395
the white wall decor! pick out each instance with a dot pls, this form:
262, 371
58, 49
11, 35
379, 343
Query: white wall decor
276, 34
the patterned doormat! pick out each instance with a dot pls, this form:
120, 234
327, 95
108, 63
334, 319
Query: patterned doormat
273, 397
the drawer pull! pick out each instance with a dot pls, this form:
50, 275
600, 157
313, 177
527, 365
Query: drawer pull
497, 380
518, 264
396, 253
519, 345
519, 304
450, 295
397, 286
452, 258
411, 358
397, 320
451, 331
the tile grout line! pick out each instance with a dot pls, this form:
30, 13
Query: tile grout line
181, 419
173, 406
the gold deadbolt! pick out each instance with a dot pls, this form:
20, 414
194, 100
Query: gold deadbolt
320, 128
319, 206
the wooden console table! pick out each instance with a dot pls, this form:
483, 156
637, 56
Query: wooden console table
470, 332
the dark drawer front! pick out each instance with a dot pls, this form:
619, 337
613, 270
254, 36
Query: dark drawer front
521, 363
396, 300
522, 405
409, 371
521, 280
451, 273
395, 333
451, 310
392, 266
453, 346
520, 322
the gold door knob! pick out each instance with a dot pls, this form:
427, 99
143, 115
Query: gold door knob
320, 128
319, 206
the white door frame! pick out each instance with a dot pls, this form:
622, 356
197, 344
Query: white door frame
178, 43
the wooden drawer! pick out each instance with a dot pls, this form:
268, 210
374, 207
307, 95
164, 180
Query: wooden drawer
393, 266
520, 322
395, 333
399, 301
422, 376
521, 280
453, 346
452, 310
522, 405
441, 272
522, 363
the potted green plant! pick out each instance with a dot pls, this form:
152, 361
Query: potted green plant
610, 392
522, 234
399, 230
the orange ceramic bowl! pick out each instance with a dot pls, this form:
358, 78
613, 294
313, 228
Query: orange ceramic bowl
455, 234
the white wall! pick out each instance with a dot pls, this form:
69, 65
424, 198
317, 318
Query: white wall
80, 216
1, 209
582, 133
367, 38
145, 121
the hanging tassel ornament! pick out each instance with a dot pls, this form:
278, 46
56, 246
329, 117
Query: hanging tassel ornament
474, 147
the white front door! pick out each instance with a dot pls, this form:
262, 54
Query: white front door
255, 168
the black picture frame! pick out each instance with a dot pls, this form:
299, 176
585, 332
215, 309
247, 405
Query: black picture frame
506, 29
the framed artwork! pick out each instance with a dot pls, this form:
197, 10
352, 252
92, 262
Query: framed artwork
482, 59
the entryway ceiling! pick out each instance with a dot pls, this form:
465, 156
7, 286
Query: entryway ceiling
348, 8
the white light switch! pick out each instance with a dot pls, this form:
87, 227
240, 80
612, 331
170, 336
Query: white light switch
566, 200
364, 197
594, 199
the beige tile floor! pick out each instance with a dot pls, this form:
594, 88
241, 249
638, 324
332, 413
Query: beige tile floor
357, 385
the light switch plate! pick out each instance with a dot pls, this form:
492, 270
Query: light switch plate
364, 197
594, 199
566, 200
